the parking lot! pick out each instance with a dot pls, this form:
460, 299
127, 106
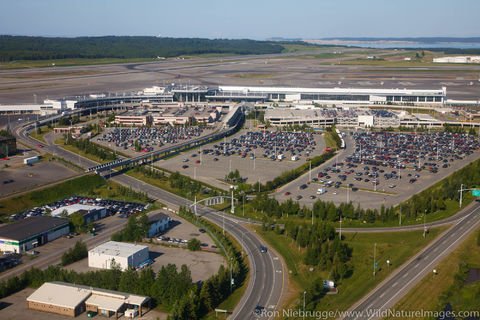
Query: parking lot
386, 169
148, 139
23, 177
258, 156
121, 208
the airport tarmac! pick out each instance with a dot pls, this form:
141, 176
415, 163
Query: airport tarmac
17, 86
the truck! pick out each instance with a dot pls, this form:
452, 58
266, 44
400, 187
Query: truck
294, 158
280, 157
30, 160
321, 190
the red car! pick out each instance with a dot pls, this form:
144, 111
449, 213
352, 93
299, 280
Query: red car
287, 193
39, 145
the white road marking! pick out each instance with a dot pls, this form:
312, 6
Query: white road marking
393, 285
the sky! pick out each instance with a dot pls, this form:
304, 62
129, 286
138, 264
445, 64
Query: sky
252, 19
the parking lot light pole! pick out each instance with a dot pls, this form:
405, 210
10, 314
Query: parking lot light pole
310, 171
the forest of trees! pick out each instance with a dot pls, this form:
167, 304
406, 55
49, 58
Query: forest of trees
89, 147
43, 48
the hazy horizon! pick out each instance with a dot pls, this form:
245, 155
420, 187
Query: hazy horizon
258, 20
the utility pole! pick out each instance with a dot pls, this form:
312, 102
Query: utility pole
340, 227
304, 293
461, 195
424, 225
400, 217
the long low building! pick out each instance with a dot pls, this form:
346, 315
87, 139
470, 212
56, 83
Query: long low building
71, 300
332, 95
23, 235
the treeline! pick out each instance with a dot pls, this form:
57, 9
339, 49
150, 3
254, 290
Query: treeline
132, 194
89, 147
134, 231
324, 250
43, 48
431, 200
218, 287
183, 185
293, 174
78, 252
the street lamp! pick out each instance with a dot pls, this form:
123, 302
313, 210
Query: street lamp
304, 293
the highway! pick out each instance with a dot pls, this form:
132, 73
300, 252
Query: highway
267, 283
400, 282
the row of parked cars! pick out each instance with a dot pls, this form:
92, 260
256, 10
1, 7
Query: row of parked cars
268, 145
112, 207
148, 138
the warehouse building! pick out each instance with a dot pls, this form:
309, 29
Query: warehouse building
121, 254
71, 300
159, 222
31, 232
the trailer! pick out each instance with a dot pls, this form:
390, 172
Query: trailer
30, 160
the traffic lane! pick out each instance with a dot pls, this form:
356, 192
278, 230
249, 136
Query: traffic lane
264, 271
262, 290
455, 218
388, 294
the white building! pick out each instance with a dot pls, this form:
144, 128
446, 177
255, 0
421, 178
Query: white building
333, 95
458, 59
159, 222
90, 213
122, 254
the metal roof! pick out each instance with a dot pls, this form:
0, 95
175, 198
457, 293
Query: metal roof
117, 249
60, 294
29, 227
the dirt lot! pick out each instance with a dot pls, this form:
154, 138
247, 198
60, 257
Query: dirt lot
15, 307
202, 264
213, 172
24, 177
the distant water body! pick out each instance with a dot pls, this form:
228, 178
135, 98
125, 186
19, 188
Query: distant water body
388, 45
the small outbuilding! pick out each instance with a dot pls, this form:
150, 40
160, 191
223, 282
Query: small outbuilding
159, 222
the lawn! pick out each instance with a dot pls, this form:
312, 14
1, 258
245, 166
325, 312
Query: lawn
329, 141
44, 131
82, 153
425, 295
396, 247
88, 185
53, 64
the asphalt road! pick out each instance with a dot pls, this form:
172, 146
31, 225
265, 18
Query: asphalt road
392, 289
268, 279
267, 283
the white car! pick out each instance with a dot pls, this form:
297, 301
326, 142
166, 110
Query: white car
392, 185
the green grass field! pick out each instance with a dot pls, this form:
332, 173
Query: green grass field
396, 247
40, 136
425, 295
52, 64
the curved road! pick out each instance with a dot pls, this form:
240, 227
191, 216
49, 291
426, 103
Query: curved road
268, 279
267, 282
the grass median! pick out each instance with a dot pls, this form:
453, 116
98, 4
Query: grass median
396, 247
427, 294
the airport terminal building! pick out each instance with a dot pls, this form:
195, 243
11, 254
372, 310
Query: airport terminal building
330, 95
